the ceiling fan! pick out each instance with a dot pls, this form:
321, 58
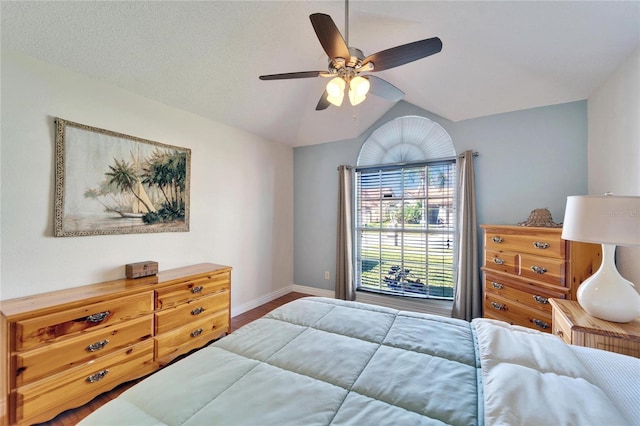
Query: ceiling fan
347, 63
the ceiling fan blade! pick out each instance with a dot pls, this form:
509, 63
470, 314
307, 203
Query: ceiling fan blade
289, 75
323, 103
329, 36
384, 89
403, 54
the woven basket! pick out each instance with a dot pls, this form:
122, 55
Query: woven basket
540, 218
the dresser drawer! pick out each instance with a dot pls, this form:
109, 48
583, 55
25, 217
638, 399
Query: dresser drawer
37, 363
79, 385
48, 328
540, 245
502, 261
534, 297
543, 269
548, 270
172, 318
192, 289
515, 313
191, 336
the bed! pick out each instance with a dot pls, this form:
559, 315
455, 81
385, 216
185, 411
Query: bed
319, 361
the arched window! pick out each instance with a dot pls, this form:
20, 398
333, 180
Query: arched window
405, 210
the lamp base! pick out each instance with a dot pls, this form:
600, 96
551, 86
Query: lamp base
606, 294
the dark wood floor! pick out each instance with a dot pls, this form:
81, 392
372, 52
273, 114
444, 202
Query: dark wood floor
71, 417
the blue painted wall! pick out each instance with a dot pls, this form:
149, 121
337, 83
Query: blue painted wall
528, 159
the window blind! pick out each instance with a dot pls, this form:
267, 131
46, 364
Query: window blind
405, 227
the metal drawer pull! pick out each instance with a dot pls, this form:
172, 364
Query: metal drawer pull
197, 311
97, 377
99, 317
196, 333
498, 306
97, 345
540, 299
540, 245
497, 285
497, 240
538, 269
560, 333
197, 289
540, 324
498, 261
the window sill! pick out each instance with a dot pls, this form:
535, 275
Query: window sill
402, 303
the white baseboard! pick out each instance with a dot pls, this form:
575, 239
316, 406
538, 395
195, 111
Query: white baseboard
237, 310
313, 291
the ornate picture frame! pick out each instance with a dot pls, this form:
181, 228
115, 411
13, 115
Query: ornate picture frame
111, 183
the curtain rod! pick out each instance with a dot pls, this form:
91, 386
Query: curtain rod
475, 154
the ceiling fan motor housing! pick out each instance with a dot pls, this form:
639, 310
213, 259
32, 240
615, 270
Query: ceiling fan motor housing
350, 69
356, 57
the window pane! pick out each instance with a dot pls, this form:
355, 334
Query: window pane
405, 223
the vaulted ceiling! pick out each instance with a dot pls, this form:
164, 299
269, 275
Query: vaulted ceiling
205, 57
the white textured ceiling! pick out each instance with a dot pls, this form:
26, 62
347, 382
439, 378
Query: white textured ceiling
205, 57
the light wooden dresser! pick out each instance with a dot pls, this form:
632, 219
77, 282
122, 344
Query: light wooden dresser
63, 348
524, 267
576, 327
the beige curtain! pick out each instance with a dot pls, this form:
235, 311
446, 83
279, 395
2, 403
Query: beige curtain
344, 263
467, 301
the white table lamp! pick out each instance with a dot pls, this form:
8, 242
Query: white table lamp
611, 221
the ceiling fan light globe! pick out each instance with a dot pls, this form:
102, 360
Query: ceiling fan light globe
335, 88
356, 99
360, 86
335, 100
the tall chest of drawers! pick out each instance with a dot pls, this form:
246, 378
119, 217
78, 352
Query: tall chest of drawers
63, 348
523, 267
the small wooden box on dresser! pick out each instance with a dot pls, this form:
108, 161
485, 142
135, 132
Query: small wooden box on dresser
63, 348
524, 267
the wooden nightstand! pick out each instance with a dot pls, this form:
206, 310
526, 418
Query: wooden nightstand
576, 327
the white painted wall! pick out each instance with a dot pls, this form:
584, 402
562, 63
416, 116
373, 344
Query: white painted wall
614, 146
241, 190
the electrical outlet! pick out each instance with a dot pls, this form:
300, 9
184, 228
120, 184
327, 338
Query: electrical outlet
326, 275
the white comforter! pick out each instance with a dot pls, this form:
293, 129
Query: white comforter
531, 378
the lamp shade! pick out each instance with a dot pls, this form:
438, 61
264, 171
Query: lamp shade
604, 219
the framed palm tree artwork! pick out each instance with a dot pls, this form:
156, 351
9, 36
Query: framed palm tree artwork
111, 183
